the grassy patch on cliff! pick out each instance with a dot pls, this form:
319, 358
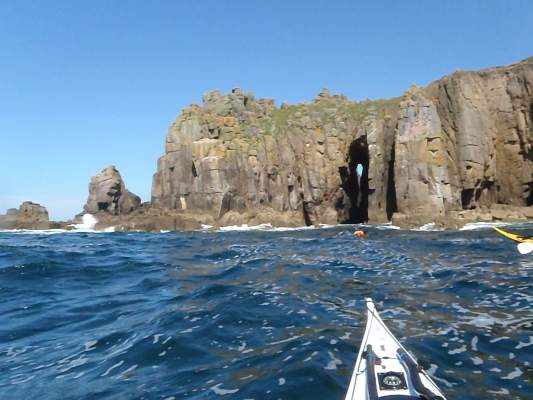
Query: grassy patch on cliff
328, 111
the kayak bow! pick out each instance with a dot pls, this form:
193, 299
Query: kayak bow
385, 370
513, 236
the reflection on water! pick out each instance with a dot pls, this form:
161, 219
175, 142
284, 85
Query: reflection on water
257, 315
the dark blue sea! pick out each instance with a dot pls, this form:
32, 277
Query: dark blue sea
258, 315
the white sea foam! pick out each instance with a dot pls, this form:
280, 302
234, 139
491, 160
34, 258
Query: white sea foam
483, 225
500, 391
477, 360
268, 227
429, 227
323, 226
285, 340
221, 391
513, 374
386, 226
89, 221
245, 227
457, 350
526, 344
334, 361
34, 231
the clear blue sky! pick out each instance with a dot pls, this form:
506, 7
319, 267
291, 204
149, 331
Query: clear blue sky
85, 84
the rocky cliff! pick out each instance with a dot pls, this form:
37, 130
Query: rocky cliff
464, 143
458, 149
290, 165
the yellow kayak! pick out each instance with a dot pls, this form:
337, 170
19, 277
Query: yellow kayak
512, 236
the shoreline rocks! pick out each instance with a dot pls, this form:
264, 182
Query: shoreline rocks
457, 151
147, 218
155, 220
28, 216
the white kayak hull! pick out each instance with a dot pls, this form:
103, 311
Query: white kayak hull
384, 368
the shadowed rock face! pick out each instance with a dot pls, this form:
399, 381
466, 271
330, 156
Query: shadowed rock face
28, 216
108, 194
462, 143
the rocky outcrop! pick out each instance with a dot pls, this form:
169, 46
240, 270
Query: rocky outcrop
463, 143
108, 194
28, 216
425, 174
9, 219
236, 153
147, 218
487, 118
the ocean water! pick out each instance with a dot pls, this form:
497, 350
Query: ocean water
258, 314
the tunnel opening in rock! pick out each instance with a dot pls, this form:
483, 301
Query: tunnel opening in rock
391, 205
355, 181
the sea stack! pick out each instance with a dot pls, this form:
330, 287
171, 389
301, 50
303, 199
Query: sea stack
108, 194
28, 216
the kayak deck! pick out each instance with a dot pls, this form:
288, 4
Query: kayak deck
385, 370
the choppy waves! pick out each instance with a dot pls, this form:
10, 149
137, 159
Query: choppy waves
257, 315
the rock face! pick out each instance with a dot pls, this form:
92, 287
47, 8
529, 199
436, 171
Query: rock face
487, 120
425, 173
28, 216
462, 143
465, 143
296, 164
108, 194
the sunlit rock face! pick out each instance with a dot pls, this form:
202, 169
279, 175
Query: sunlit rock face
108, 194
236, 153
463, 143
29, 215
487, 121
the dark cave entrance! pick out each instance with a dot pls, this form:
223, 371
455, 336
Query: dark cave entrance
529, 199
470, 197
307, 217
391, 205
355, 181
